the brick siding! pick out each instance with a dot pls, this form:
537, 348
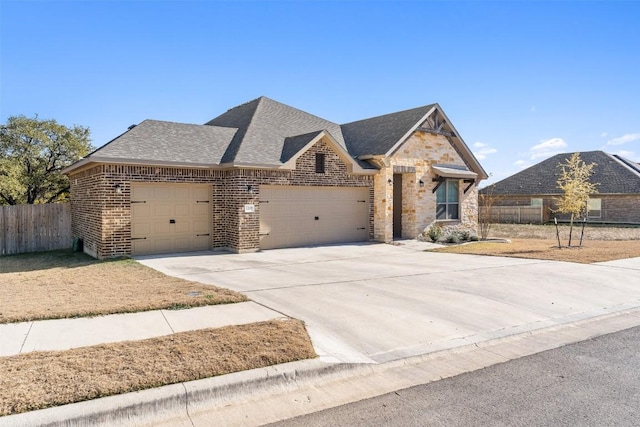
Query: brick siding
102, 217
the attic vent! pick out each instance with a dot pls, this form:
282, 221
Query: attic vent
131, 127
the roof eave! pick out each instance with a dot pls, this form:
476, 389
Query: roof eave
113, 160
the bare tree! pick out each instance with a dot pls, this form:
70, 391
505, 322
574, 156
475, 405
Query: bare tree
486, 200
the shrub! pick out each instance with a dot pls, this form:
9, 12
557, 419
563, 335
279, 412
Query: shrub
434, 233
452, 238
473, 238
464, 235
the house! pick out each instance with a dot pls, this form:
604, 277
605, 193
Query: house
265, 175
617, 179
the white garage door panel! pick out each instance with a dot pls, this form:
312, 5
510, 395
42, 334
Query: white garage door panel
288, 215
153, 206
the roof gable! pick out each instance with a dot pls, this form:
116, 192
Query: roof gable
378, 135
296, 146
611, 174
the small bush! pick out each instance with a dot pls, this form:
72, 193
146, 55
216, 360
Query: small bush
452, 238
464, 235
473, 238
434, 233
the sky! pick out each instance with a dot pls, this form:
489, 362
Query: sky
519, 80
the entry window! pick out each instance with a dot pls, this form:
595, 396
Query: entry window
447, 200
319, 163
594, 208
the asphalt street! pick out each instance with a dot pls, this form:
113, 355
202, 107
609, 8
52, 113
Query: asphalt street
591, 383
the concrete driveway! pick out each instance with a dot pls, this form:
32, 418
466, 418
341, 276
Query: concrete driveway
376, 302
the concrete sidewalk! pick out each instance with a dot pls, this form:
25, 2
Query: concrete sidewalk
64, 334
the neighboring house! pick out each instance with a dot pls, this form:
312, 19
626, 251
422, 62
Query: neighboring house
265, 175
617, 179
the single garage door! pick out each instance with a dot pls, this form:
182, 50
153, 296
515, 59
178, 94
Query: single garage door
169, 218
293, 216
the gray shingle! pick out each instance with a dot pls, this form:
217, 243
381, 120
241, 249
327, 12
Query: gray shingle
263, 125
259, 132
377, 135
612, 175
168, 142
293, 144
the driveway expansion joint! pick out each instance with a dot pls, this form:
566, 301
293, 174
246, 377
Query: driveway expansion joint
167, 320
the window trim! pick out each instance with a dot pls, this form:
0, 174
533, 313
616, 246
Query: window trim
446, 202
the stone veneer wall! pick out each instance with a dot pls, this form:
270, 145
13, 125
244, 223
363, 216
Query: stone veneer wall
102, 217
420, 151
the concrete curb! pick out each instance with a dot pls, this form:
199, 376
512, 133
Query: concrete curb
266, 395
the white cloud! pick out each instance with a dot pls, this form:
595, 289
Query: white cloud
483, 150
630, 137
604, 134
547, 148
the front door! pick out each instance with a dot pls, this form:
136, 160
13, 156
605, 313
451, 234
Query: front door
397, 206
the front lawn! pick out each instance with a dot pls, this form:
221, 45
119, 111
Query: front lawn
60, 284
50, 378
600, 243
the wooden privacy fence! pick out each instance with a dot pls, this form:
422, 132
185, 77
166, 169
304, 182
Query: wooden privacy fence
35, 228
512, 214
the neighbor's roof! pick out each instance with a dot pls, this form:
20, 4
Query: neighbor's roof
612, 173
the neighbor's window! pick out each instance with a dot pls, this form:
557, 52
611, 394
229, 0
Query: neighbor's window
319, 163
536, 202
447, 202
594, 208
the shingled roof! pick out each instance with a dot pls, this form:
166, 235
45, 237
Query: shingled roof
612, 173
158, 142
263, 125
263, 133
377, 135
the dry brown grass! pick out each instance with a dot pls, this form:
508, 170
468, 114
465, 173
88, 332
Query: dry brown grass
63, 284
43, 379
539, 242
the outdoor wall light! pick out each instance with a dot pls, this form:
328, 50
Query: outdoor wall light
118, 188
250, 189
421, 182
390, 181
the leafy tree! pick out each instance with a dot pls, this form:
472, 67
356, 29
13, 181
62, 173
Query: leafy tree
32, 154
576, 187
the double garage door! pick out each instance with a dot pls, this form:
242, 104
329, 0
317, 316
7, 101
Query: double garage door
168, 218
293, 216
